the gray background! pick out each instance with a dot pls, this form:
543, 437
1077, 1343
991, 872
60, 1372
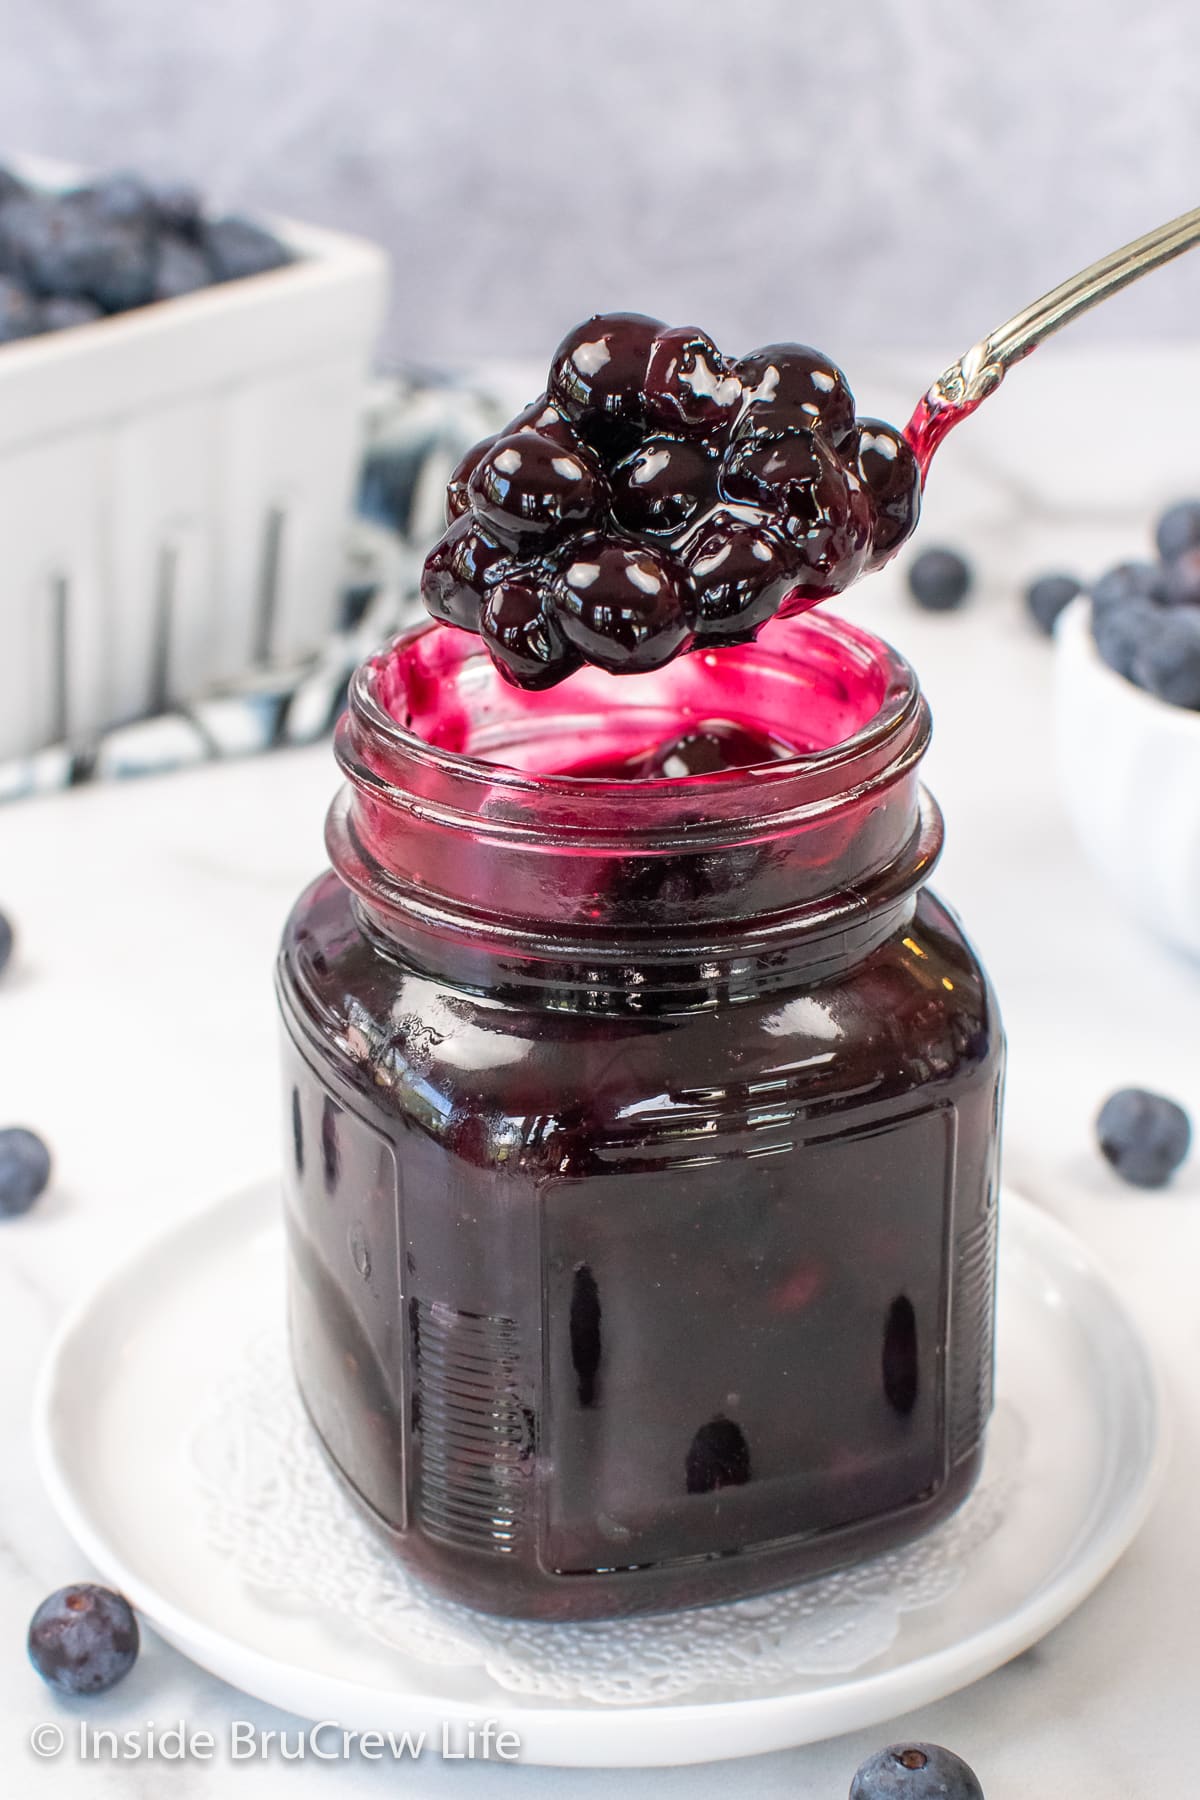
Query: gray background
900, 172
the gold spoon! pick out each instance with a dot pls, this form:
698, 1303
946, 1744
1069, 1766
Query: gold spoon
955, 395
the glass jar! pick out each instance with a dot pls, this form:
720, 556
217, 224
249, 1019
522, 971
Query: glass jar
642, 1135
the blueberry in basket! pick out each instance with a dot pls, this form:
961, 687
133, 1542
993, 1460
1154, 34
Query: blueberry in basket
660, 497
112, 245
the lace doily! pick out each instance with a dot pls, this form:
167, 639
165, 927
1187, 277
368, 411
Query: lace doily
273, 1508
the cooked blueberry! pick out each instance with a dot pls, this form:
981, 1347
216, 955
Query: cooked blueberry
687, 386
915, 1772
1144, 1136
237, 248
458, 571
179, 268
1128, 581
1183, 579
24, 1170
600, 367
792, 384
457, 498
526, 640
1048, 596
712, 747
663, 485
527, 489
1122, 630
20, 313
543, 416
6, 942
777, 470
891, 475
60, 313
84, 1639
939, 580
622, 604
1178, 530
740, 570
1167, 660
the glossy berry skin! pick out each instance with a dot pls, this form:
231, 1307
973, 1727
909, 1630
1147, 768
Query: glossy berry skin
600, 367
1144, 1136
794, 385
524, 636
1128, 581
1122, 630
687, 386
542, 415
891, 475
83, 1640
458, 571
621, 604
526, 488
939, 580
740, 570
1178, 530
915, 1772
1167, 661
25, 1166
660, 488
819, 504
1048, 597
458, 499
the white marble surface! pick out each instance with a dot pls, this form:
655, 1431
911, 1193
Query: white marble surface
137, 1032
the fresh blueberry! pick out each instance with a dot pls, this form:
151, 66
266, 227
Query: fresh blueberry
238, 247
1121, 631
60, 313
1167, 661
1048, 596
915, 1772
1178, 530
122, 198
939, 580
63, 246
24, 1170
83, 1639
1144, 1136
179, 268
1129, 581
6, 942
20, 314
1183, 579
11, 186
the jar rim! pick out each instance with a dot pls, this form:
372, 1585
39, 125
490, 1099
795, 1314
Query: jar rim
899, 700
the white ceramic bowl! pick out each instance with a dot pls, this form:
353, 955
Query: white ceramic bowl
174, 486
1129, 768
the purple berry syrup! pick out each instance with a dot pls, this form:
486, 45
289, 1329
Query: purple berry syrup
643, 1111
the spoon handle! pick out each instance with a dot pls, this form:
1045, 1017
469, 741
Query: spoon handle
979, 373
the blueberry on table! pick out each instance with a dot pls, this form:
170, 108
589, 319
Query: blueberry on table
939, 580
6, 942
1178, 530
1048, 596
20, 314
1121, 631
24, 1170
83, 1639
1129, 581
1167, 662
915, 1772
1144, 1136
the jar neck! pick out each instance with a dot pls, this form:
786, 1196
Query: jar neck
624, 894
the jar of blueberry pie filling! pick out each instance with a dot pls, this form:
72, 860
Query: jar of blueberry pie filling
642, 1134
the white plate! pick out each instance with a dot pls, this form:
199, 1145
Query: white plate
179, 1358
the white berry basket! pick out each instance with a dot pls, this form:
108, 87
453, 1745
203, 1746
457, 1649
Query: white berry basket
174, 486
1129, 769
